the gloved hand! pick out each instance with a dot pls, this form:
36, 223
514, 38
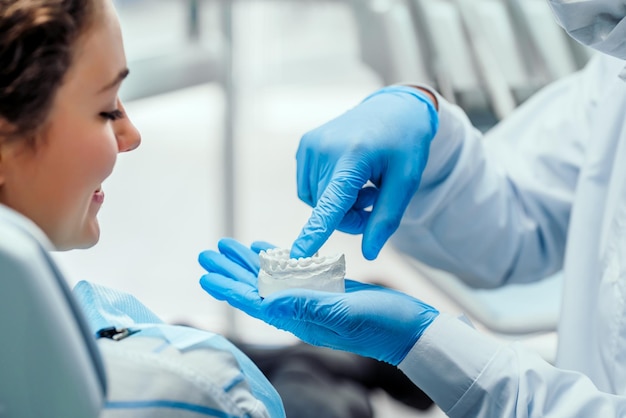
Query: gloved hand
384, 140
368, 320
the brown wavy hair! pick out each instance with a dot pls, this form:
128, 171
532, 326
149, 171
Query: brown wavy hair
37, 41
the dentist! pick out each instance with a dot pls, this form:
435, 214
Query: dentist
546, 190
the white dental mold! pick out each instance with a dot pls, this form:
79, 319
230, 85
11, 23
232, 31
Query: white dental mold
279, 272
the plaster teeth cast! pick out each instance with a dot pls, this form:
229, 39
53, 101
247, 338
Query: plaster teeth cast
279, 272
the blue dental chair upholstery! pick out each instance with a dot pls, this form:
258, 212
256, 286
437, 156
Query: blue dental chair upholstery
49, 365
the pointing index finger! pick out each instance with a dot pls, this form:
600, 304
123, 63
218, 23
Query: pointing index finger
336, 200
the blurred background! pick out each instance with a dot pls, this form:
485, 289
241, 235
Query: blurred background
223, 90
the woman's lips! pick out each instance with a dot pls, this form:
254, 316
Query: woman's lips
98, 196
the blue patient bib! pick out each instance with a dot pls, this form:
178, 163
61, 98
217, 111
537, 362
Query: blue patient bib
159, 370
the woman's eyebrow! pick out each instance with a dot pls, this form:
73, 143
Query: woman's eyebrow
118, 79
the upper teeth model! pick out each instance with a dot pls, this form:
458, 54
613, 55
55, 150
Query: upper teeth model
279, 272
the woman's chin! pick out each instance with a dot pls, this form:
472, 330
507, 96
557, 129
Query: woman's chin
87, 245
92, 237
89, 238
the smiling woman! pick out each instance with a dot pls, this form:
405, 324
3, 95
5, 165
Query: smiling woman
62, 125
61, 143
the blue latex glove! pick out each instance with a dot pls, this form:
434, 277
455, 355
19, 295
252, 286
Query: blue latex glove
368, 320
383, 141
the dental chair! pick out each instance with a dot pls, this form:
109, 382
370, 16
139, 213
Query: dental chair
52, 366
49, 365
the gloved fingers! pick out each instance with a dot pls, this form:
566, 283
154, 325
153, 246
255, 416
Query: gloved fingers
214, 287
304, 169
324, 219
258, 246
215, 262
336, 200
368, 319
399, 185
240, 254
319, 318
366, 198
356, 286
353, 286
303, 304
306, 331
355, 220
240, 295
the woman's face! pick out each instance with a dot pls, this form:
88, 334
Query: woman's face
58, 183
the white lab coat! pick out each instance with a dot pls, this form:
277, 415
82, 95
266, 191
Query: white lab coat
546, 189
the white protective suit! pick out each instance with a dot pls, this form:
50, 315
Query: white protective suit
545, 190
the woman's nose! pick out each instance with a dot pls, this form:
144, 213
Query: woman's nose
128, 136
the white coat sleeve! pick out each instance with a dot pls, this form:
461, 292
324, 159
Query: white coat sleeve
495, 209
499, 380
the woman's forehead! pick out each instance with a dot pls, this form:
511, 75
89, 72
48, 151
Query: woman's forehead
99, 54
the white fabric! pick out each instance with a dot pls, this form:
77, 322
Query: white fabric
546, 189
151, 378
600, 24
162, 371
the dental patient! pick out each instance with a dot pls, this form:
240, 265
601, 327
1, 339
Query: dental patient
62, 126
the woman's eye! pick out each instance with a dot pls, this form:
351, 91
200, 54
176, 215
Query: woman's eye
112, 115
